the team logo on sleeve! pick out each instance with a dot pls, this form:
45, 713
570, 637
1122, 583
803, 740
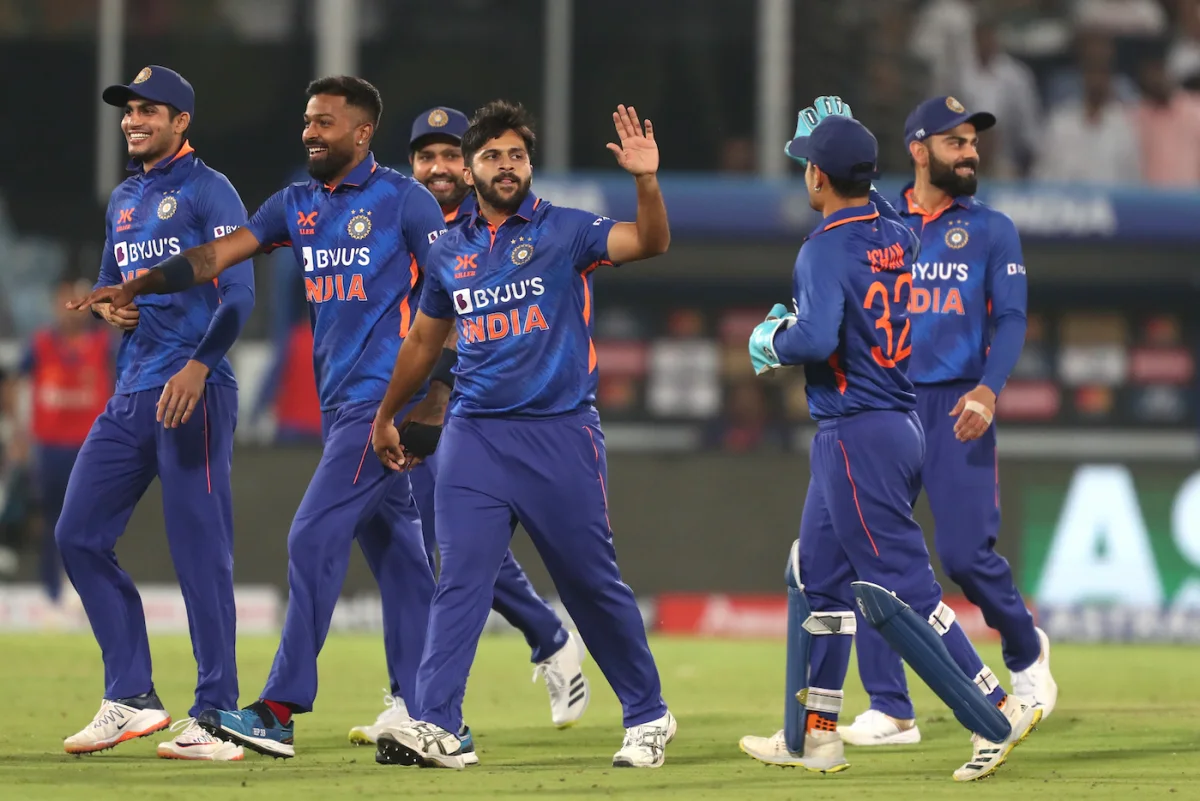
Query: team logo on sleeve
437, 118
462, 301
957, 238
523, 252
954, 105
360, 224
167, 207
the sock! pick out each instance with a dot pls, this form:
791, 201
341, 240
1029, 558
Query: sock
818, 722
280, 711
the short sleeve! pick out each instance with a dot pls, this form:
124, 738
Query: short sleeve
269, 224
588, 235
435, 300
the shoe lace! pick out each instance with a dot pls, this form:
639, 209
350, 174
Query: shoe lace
645, 736
183, 725
390, 704
556, 682
109, 712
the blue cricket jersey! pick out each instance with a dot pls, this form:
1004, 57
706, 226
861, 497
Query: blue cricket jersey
179, 204
968, 295
850, 290
361, 247
521, 296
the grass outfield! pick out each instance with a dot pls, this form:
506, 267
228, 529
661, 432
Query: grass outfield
1126, 726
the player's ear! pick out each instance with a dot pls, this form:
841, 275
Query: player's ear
181, 122
363, 134
468, 176
919, 153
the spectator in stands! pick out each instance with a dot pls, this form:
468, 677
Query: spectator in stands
745, 424
1094, 49
1168, 128
1005, 86
1092, 139
1183, 59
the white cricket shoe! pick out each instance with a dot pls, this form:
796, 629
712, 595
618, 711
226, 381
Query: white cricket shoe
114, 724
421, 743
568, 687
394, 715
988, 756
645, 746
824, 751
194, 742
1035, 681
875, 728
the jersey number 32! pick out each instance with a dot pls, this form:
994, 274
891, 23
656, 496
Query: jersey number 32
891, 349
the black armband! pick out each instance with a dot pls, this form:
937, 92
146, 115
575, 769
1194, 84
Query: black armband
177, 274
444, 370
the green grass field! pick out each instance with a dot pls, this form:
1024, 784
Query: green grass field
1126, 727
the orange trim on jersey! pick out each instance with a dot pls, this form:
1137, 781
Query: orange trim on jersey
587, 319
926, 216
183, 151
599, 475
452, 215
406, 305
492, 231
595, 264
862, 218
207, 467
854, 491
367, 447
839, 375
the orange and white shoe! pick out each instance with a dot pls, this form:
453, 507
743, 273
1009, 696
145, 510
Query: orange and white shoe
194, 742
114, 724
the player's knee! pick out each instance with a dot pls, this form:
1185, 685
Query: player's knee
961, 566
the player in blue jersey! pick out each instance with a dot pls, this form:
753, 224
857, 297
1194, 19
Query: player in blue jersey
361, 233
523, 439
968, 328
173, 415
850, 331
435, 154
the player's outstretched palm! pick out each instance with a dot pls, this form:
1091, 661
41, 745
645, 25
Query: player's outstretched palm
638, 153
119, 297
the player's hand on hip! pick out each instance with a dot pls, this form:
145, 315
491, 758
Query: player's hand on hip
118, 297
125, 319
385, 439
638, 152
182, 394
974, 411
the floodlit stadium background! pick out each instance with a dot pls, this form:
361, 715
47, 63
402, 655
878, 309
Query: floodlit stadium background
1100, 489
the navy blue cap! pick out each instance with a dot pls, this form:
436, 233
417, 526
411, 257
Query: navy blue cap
155, 83
841, 146
940, 114
439, 121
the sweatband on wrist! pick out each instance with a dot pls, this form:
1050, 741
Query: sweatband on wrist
177, 274
444, 369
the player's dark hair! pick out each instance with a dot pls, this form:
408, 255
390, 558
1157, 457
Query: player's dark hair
849, 188
358, 93
494, 120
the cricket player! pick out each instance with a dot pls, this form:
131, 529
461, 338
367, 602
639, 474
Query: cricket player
68, 367
515, 278
173, 416
967, 311
435, 155
362, 233
858, 542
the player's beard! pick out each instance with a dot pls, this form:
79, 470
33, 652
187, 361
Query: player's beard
449, 198
942, 175
490, 195
329, 165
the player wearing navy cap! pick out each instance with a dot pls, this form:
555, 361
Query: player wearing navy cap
173, 415
435, 154
858, 540
515, 278
361, 234
968, 328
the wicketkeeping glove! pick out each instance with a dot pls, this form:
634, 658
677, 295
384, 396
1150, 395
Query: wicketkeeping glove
762, 340
811, 116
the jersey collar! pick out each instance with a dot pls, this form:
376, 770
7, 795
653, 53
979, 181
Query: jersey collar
847, 215
464, 210
358, 176
184, 154
525, 212
909, 207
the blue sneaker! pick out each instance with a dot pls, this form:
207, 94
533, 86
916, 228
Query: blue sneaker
254, 727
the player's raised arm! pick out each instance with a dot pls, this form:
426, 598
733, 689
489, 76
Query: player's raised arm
181, 272
638, 155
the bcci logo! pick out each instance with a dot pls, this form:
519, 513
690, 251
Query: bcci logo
957, 238
437, 118
142, 76
166, 208
522, 253
359, 225
954, 105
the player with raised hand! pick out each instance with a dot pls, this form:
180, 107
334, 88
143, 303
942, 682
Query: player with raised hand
435, 154
968, 327
172, 416
858, 541
361, 233
515, 278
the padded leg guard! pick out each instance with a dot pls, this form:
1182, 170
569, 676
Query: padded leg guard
914, 638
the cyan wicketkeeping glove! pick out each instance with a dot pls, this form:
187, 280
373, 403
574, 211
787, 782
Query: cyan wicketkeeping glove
811, 116
762, 339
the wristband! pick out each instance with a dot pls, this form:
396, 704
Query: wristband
177, 274
979, 409
444, 370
